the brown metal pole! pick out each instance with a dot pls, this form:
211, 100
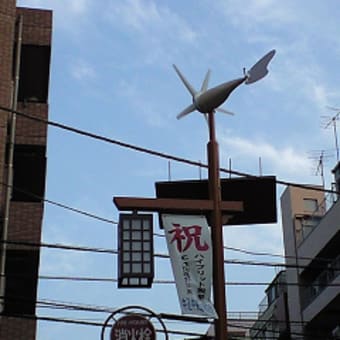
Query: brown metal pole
217, 233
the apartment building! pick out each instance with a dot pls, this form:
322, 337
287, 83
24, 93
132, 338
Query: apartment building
303, 302
311, 229
311, 232
25, 45
273, 321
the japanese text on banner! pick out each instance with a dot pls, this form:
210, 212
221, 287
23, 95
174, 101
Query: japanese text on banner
189, 244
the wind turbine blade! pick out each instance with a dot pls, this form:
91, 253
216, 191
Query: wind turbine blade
186, 111
206, 118
259, 70
185, 82
220, 109
205, 83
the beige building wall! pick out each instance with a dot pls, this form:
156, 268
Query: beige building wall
295, 205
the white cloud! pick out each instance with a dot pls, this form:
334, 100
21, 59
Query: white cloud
63, 262
69, 16
320, 95
74, 6
81, 70
154, 30
138, 15
253, 12
288, 160
299, 38
257, 238
298, 73
147, 17
78, 6
142, 103
324, 96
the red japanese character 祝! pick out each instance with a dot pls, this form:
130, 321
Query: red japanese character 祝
187, 235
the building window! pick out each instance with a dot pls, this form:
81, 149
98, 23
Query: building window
29, 165
21, 281
310, 205
272, 294
34, 73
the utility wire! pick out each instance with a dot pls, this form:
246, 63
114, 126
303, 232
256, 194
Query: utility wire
89, 323
153, 152
159, 281
136, 148
159, 255
61, 205
257, 253
73, 306
91, 215
99, 309
103, 219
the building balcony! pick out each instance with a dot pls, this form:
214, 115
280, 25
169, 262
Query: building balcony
323, 230
323, 291
272, 316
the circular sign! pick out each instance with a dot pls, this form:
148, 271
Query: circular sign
133, 327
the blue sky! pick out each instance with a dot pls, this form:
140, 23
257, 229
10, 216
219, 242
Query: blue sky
112, 74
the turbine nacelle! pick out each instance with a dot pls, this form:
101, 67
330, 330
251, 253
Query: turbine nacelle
209, 100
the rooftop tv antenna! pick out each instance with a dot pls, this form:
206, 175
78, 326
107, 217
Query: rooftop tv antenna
320, 156
329, 121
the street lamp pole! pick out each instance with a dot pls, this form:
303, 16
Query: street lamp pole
216, 232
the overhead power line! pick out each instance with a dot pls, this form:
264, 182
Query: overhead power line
106, 220
62, 205
157, 281
91, 323
153, 152
99, 309
158, 154
80, 307
159, 255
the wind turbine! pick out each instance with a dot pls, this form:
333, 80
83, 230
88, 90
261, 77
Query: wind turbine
209, 100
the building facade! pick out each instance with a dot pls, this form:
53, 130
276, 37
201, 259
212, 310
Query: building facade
311, 229
25, 45
273, 319
311, 289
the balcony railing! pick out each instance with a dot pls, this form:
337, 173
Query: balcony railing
263, 306
242, 315
273, 291
323, 280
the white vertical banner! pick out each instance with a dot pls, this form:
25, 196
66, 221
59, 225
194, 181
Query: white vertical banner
189, 244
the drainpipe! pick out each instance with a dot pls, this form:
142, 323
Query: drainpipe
9, 184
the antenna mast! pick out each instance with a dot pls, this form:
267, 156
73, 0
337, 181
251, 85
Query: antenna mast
332, 121
321, 158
